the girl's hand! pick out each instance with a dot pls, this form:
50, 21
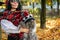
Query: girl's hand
24, 30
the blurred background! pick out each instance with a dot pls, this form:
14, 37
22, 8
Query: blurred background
46, 13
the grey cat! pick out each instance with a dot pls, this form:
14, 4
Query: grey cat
31, 26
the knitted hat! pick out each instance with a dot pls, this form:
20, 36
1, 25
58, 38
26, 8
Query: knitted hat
28, 18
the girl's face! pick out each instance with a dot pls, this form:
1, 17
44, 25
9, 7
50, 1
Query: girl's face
14, 4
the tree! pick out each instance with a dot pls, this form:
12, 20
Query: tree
43, 13
58, 7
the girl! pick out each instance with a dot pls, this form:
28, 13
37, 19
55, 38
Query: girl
13, 14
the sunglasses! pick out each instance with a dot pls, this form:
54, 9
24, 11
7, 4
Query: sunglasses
14, 0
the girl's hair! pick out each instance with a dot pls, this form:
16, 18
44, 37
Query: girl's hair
8, 6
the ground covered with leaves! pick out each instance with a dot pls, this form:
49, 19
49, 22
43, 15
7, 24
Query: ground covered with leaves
52, 30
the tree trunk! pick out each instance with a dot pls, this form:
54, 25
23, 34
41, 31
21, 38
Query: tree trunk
51, 5
52, 13
43, 14
58, 7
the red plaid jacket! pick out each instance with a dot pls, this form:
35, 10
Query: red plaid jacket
14, 17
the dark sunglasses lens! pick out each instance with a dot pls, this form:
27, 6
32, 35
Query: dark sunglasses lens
14, 1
